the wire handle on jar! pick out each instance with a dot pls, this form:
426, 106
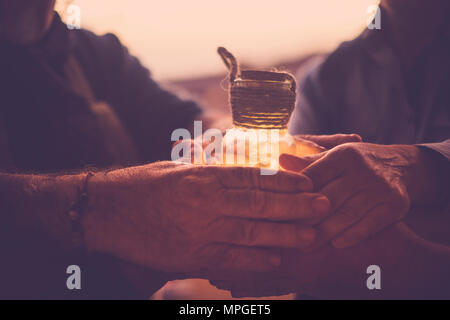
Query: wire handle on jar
231, 63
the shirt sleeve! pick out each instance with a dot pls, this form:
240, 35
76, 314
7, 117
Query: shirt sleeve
317, 101
149, 112
441, 147
442, 169
325, 85
309, 116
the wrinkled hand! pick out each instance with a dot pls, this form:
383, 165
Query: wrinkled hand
368, 186
274, 285
197, 219
393, 176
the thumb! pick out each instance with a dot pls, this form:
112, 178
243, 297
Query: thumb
297, 164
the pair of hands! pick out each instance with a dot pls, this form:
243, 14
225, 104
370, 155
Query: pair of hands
199, 220
205, 221
366, 184
370, 188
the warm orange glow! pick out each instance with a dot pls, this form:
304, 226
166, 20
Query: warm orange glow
256, 147
179, 39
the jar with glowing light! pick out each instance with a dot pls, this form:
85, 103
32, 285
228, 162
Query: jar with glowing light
261, 104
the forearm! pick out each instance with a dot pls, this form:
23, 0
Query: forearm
36, 223
39, 205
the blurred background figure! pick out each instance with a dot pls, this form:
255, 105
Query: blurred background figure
389, 85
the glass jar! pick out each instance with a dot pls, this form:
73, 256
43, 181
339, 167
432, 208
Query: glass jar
261, 103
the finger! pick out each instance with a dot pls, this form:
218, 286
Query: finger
234, 258
255, 204
347, 215
251, 178
263, 234
331, 141
346, 187
305, 147
375, 220
326, 169
297, 164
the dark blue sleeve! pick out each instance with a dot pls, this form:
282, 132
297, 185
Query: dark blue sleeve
325, 87
311, 114
321, 88
441, 147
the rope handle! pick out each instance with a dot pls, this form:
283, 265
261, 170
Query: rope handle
235, 72
230, 61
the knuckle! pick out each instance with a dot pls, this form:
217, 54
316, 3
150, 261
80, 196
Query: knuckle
400, 200
349, 152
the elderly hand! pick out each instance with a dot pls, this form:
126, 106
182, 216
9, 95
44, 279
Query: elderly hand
198, 219
335, 272
369, 186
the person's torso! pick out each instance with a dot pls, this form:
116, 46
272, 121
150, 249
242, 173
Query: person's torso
51, 119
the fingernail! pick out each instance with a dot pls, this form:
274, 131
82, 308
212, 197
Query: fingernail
321, 205
275, 260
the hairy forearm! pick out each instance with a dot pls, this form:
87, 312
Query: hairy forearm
38, 205
34, 211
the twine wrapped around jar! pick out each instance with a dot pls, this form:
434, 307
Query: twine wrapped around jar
259, 99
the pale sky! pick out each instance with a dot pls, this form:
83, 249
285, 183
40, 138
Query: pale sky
178, 39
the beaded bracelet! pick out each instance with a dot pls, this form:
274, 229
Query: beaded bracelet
77, 210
